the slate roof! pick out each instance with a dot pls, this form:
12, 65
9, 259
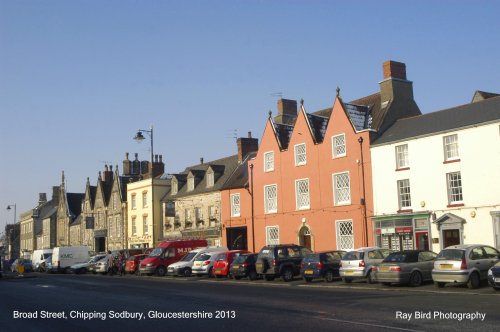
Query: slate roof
284, 133
377, 112
240, 176
318, 126
359, 115
225, 166
74, 202
482, 95
77, 221
446, 120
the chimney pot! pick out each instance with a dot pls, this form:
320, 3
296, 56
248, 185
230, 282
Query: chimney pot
249, 134
136, 156
201, 160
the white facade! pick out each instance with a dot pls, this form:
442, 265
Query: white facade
473, 219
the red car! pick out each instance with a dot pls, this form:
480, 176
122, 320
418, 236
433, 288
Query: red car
223, 262
132, 264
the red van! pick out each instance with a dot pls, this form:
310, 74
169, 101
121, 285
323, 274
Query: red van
168, 252
224, 260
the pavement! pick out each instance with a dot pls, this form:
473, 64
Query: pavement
14, 275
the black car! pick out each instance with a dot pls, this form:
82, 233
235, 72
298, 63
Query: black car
281, 260
494, 276
323, 265
244, 266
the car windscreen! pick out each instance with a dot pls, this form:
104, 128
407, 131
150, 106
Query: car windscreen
45, 256
203, 257
353, 256
450, 255
310, 258
156, 252
187, 257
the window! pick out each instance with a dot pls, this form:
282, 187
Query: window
404, 194
134, 225
118, 227
197, 214
345, 235
114, 201
145, 199
272, 235
174, 187
133, 202
402, 156
454, 181
145, 226
342, 189
190, 183
269, 161
187, 214
300, 154
338, 146
450, 146
210, 179
235, 205
271, 198
110, 227
302, 194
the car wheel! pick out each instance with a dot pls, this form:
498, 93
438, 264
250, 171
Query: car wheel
269, 278
329, 276
347, 280
415, 279
308, 279
370, 278
287, 275
186, 272
252, 275
439, 284
474, 281
160, 271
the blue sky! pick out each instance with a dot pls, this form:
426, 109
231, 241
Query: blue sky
78, 78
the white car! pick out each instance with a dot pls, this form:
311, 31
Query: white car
83, 267
185, 265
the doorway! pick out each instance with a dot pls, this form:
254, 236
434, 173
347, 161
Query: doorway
305, 238
451, 237
100, 244
422, 240
237, 238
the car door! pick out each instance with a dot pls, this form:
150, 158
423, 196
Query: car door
426, 263
491, 257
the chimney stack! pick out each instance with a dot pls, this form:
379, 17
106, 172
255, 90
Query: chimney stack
42, 198
246, 146
126, 165
201, 160
287, 111
394, 69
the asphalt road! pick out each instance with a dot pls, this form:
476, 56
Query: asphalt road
114, 303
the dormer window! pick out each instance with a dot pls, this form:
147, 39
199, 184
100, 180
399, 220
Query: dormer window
210, 179
190, 184
174, 187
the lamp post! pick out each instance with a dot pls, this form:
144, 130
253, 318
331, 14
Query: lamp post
9, 207
139, 137
10, 231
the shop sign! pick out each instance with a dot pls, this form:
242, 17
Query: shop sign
388, 230
406, 229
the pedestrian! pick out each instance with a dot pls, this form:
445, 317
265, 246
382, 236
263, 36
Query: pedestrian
110, 263
122, 265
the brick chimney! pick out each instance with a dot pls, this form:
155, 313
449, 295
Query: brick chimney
247, 145
127, 165
108, 174
394, 69
158, 167
287, 111
42, 198
55, 193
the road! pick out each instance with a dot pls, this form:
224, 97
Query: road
105, 303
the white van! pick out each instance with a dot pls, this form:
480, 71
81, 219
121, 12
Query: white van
39, 259
185, 265
64, 257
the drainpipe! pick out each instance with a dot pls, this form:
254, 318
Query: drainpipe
251, 195
363, 199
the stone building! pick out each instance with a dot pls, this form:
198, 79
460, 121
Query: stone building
69, 208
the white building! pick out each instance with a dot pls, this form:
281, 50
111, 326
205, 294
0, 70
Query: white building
436, 178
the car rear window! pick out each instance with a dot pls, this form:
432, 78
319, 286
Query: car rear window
266, 252
399, 257
353, 256
187, 257
310, 258
450, 255
203, 257
220, 257
240, 259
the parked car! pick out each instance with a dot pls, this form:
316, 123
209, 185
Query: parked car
133, 262
494, 276
102, 265
223, 262
185, 265
282, 260
464, 264
360, 263
39, 258
83, 267
203, 264
244, 266
28, 266
324, 265
411, 267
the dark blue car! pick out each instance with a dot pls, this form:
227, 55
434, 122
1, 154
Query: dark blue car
322, 265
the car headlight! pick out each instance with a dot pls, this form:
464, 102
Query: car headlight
490, 272
149, 265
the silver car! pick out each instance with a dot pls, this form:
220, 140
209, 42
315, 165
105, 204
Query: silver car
464, 264
203, 264
360, 263
410, 267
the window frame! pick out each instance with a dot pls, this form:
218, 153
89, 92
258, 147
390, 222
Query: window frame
267, 166
297, 198
336, 202
266, 198
235, 212
268, 233
450, 189
402, 156
296, 154
335, 146
401, 198
210, 179
449, 147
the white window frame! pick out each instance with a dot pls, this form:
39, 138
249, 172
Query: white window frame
452, 186
134, 225
269, 230
402, 156
144, 199
336, 146
267, 202
336, 190
133, 201
110, 227
269, 161
145, 225
302, 199
450, 147
235, 205
174, 187
190, 184
210, 179
404, 194
342, 239
299, 154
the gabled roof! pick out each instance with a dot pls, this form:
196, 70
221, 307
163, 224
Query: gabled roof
446, 120
239, 178
225, 167
74, 202
482, 95
359, 116
318, 125
283, 133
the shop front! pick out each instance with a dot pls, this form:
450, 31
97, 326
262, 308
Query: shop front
212, 235
402, 231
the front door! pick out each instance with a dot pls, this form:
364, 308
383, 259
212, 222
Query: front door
451, 237
422, 240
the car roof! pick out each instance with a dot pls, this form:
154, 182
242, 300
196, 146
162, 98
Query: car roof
465, 246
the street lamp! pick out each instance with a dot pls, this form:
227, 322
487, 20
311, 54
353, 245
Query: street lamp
139, 137
9, 207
